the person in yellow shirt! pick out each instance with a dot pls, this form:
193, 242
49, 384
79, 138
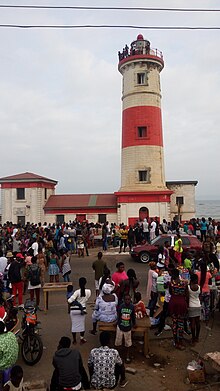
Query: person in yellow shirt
178, 249
124, 238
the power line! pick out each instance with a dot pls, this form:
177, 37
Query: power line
109, 8
85, 26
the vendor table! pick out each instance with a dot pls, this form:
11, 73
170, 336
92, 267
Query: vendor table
142, 327
53, 287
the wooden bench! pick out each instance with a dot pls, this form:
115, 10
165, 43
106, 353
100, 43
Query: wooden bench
143, 326
53, 287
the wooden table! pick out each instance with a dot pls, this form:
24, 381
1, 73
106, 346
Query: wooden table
53, 287
142, 327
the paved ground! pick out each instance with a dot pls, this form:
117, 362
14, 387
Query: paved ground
171, 374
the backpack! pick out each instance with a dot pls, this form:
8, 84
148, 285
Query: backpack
34, 275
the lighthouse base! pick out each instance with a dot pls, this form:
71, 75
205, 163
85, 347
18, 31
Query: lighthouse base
137, 206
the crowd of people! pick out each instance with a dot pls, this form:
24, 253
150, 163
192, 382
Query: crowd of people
28, 253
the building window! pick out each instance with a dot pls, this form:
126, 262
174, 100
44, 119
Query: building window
20, 194
141, 78
179, 200
143, 176
142, 131
45, 193
102, 218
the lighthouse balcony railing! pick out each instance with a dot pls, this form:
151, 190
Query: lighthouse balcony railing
125, 54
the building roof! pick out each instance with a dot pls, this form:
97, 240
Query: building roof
74, 201
26, 177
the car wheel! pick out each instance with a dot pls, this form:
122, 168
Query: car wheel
145, 257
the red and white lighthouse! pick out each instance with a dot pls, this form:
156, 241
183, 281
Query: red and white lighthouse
143, 190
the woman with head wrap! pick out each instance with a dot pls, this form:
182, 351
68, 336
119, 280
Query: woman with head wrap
105, 306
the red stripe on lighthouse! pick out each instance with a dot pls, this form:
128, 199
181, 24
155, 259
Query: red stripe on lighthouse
142, 116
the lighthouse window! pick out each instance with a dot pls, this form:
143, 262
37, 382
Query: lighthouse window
141, 78
143, 176
142, 131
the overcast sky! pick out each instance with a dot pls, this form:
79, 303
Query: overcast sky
60, 94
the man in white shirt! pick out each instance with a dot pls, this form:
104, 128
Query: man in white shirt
35, 247
3, 262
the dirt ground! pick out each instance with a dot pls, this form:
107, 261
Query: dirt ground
169, 373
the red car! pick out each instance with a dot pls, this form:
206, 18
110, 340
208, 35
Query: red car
148, 252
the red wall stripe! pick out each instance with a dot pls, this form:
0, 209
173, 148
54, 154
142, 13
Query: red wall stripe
27, 185
133, 117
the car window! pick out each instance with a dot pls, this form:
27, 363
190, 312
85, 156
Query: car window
186, 241
161, 241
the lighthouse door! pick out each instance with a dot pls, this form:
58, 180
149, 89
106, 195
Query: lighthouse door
143, 213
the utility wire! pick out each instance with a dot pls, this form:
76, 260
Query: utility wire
70, 7
85, 26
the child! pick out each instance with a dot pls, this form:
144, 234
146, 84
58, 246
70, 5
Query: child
69, 293
80, 246
126, 319
16, 380
194, 309
139, 306
187, 263
65, 266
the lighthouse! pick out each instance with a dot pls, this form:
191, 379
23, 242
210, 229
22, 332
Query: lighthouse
143, 191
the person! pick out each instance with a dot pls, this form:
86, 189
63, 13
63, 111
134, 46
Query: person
126, 319
69, 372
77, 319
65, 265
41, 260
178, 249
131, 238
124, 238
35, 246
145, 231
166, 253
194, 309
105, 365
139, 306
105, 237
16, 380
69, 293
153, 226
11, 318
178, 307
8, 348
152, 286
203, 229
105, 278
105, 307
165, 312
14, 276
187, 263
119, 275
34, 284
98, 266
204, 278
53, 269
128, 286
3, 262
80, 246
